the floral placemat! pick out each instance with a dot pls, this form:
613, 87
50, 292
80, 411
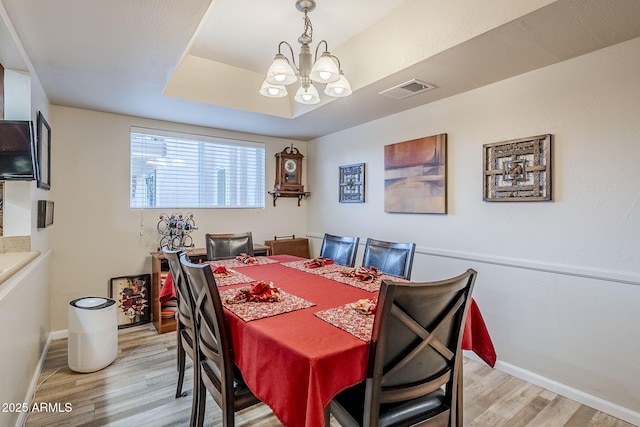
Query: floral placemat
372, 286
303, 265
249, 311
234, 278
349, 320
234, 263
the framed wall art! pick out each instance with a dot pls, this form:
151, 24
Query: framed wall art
518, 170
415, 175
44, 153
351, 187
132, 293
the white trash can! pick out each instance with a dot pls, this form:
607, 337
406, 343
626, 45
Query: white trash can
93, 333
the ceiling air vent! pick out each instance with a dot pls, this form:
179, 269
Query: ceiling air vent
407, 89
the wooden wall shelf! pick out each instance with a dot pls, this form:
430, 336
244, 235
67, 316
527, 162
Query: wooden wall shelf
298, 194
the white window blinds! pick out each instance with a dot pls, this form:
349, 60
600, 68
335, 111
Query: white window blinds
172, 170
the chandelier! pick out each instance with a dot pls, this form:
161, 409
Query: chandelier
323, 70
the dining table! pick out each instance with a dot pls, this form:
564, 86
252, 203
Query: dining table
295, 354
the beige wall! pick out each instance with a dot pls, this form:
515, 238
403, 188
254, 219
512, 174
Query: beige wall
97, 236
559, 282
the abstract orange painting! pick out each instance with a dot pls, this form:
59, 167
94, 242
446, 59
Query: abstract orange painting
415, 175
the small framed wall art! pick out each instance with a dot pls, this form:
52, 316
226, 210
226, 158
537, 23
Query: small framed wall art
132, 295
518, 170
351, 188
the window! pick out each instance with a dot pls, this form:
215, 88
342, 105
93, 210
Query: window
173, 170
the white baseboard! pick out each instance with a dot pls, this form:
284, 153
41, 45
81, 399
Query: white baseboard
569, 392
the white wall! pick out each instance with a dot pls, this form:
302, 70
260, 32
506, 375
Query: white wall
96, 236
24, 298
24, 316
559, 282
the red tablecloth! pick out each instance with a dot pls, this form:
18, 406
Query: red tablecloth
476, 336
295, 362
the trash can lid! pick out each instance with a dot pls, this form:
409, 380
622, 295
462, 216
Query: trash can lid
92, 302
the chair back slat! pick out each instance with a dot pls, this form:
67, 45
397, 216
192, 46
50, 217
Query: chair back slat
417, 337
213, 333
392, 258
341, 249
227, 246
185, 299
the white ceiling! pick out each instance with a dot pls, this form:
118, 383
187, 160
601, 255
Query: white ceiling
201, 62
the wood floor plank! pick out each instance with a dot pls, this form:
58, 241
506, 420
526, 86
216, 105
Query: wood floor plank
516, 399
138, 389
557, 413
582, 417
525, 415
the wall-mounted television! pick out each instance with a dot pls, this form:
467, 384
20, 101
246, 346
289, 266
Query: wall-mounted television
17, 151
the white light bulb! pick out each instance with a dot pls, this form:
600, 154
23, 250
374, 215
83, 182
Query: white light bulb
325, 75
273, 91
307, 97
279, 77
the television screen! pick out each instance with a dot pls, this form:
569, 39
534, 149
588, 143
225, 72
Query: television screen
17, 150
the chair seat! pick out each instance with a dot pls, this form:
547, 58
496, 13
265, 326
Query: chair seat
243, 397
409, 412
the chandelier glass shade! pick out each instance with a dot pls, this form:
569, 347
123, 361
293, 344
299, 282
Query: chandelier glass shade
309, 69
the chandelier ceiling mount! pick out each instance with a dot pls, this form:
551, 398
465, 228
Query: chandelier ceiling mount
309, 69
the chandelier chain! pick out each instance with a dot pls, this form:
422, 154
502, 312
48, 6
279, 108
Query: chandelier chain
307, 35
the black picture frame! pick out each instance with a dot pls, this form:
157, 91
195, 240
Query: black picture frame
45, 213
44, 153
132, 295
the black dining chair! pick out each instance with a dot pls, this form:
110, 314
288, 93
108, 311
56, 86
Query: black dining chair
227, 246
392, 258
217, 371
187, 341
414, 375
341, 249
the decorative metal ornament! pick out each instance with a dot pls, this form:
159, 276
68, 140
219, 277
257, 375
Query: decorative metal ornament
518, 170
175, 230
351, 187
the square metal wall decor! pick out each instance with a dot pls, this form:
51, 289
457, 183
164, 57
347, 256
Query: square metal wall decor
351, 187
518, 170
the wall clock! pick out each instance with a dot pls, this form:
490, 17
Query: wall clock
289, 170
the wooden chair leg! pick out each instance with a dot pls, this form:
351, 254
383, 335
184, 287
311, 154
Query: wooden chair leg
181, 366
200, 407
195, 401
327, 415
460, 400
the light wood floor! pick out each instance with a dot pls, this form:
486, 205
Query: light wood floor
138, 390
